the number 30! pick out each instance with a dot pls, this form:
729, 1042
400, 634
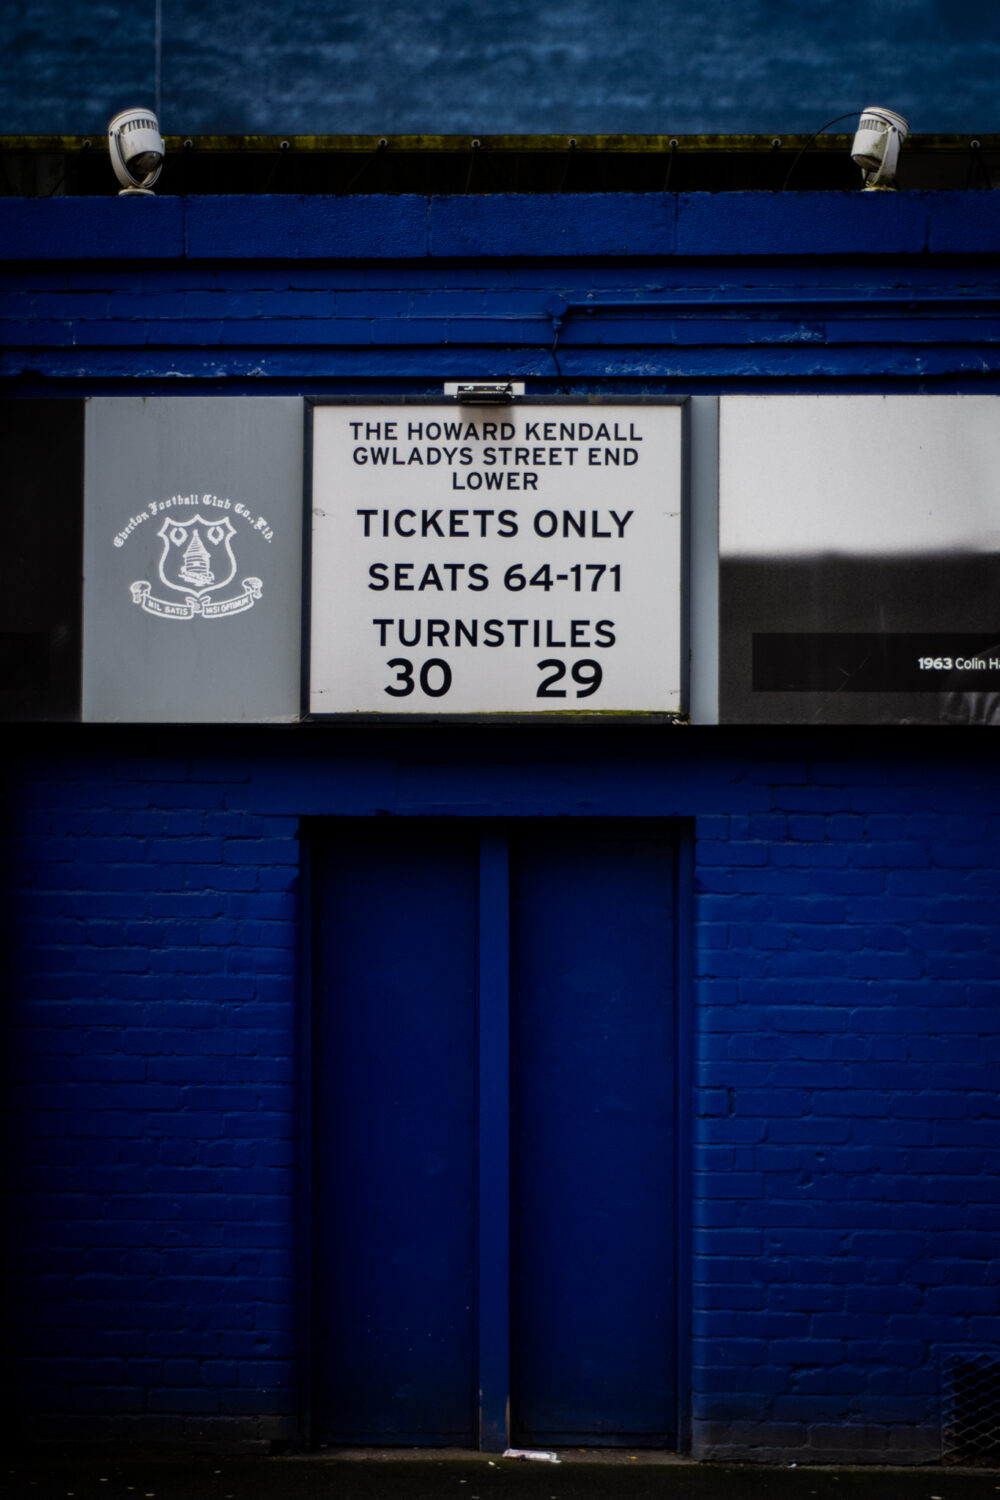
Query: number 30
404, 677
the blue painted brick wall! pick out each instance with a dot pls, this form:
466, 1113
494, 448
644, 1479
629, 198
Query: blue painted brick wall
846, 948
845, 1056
152, 1036
847, 1117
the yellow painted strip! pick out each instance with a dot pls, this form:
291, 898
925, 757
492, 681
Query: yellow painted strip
633, 145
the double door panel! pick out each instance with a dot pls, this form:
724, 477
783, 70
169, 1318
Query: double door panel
494, 1143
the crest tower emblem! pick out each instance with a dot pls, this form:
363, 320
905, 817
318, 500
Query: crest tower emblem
197, 561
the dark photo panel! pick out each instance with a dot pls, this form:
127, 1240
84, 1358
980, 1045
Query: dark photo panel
41, 492
859, 579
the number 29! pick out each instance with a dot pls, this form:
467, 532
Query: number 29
586, 674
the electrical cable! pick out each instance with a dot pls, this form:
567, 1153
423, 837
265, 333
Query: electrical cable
556, 330
670, 164
571, 148
853, 114
383, 143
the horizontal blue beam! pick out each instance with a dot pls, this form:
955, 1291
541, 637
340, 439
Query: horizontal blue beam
805, 361
306, 288
405, 227
640, 332
338, 385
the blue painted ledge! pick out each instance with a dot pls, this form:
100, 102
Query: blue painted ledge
503, 226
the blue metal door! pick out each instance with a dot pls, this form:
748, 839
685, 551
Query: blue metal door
395, 1144
594, 1217
494, 1253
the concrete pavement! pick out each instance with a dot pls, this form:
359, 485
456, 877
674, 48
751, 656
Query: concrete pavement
452, 1475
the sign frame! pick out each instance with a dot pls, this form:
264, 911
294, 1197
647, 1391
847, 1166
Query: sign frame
566, 715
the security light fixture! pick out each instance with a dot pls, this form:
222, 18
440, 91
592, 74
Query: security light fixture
484, 392
879, 135
137, 151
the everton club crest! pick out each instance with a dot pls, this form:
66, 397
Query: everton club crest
198, 563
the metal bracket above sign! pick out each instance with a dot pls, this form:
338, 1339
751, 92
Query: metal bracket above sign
484, 392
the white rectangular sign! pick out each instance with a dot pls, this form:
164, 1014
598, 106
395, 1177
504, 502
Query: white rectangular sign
502, 559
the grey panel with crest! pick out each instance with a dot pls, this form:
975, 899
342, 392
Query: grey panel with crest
192, 559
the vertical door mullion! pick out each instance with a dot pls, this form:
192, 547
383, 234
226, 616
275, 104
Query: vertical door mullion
494, 1143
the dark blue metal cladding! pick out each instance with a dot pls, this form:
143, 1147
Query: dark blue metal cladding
594, 1286
395, 1209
